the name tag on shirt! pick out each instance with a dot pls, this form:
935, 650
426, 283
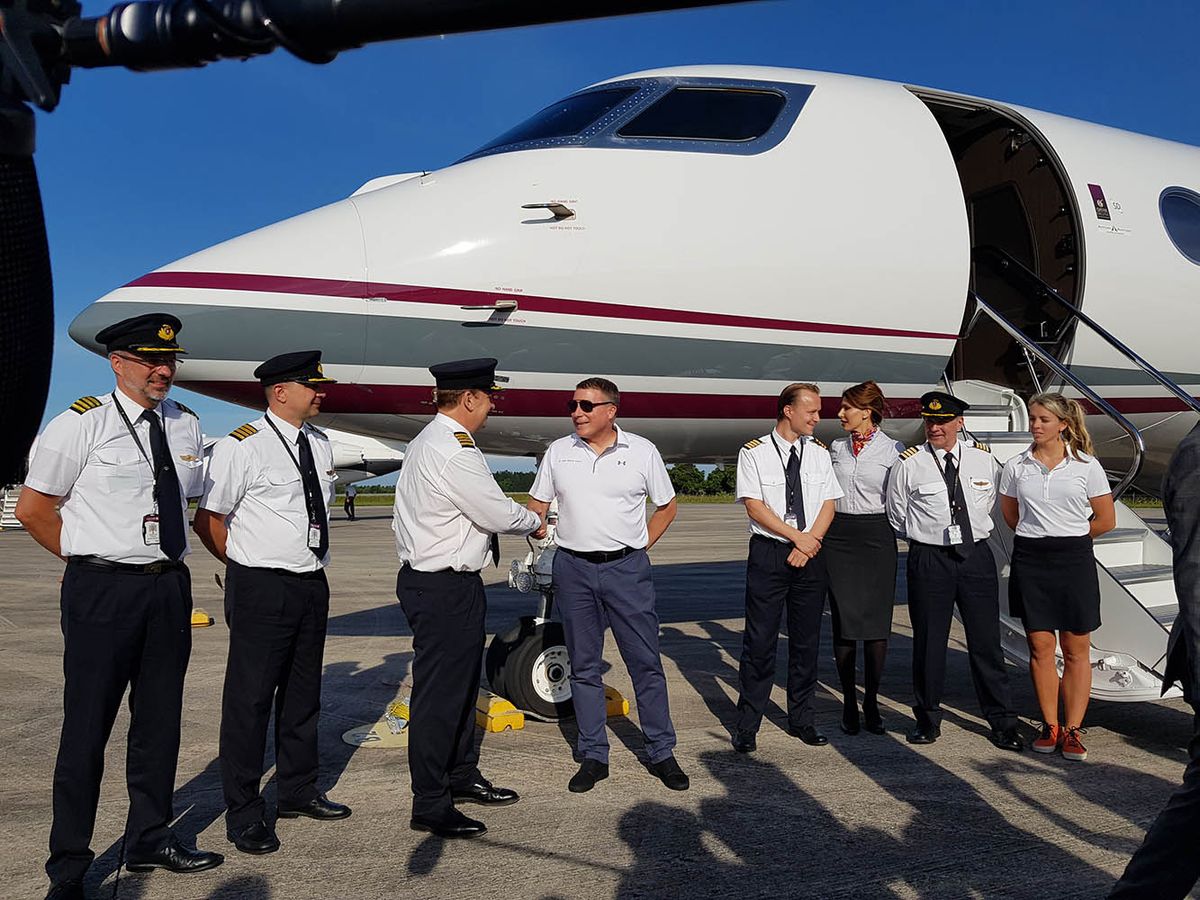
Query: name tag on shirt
791, 521
314, 536
954, 534
150, 530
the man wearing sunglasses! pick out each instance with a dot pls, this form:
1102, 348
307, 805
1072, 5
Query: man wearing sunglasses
107, 491
602, 476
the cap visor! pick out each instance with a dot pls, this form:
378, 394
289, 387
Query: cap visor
926, 415
158, 350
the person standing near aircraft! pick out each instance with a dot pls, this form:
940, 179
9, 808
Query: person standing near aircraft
1056, 497
940, 497
1167, 865
265, 514
446, 517
107, 491
602, 476
860, 551
785, 481
348, 505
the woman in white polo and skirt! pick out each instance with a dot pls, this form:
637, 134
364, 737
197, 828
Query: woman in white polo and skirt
1056, 497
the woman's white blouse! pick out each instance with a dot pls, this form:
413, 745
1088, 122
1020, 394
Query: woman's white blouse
864, 477
1053, 502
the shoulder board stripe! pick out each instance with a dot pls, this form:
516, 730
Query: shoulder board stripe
243, 432
464, 439
819, 444
980, 445
750, 445
83, 404
185, 409
911, 451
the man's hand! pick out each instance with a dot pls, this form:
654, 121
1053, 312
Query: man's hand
797, 559
540, 533
806, 544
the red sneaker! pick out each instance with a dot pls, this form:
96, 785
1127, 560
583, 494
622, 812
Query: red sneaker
1049, 740
1072, 747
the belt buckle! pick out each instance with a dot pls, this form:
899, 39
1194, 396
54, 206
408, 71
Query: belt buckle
155, 568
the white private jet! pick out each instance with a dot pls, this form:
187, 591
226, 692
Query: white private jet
705, 235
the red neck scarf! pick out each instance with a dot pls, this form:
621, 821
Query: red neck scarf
858, 441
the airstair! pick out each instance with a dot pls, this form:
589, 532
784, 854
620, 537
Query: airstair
8, 507
1138, 603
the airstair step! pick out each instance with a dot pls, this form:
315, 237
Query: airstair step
1140, 574
1120, 536
1165, 615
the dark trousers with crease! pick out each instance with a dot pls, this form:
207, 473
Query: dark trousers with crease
120, 629
772, 586
446, 611
937, 582
277, 627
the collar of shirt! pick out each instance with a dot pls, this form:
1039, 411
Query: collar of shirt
1026, 456
135, 410
289, 431
447, 422
784, 441
621, 440
955, 451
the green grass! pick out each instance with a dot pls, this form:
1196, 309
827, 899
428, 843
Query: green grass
523, 498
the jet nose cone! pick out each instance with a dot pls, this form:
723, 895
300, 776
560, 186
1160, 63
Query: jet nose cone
93, 319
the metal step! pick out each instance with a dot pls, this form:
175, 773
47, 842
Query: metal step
1120, 536
1166, 615
1140, 574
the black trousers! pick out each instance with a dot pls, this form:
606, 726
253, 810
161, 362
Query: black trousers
771, 587
348, 508
276, 646
938, 581
1167, 865
445, 611
120, 629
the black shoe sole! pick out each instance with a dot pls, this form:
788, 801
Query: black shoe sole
150, 867
450, 836
479, 802
253, 851
288, 814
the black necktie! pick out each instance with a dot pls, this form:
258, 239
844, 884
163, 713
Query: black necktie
166, 487
960, 515
495, 545
313, 501
796, 488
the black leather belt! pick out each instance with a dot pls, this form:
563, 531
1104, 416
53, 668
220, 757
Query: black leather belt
600, 556
154, 568
313, 573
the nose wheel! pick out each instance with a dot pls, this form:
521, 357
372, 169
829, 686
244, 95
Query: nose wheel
529, 665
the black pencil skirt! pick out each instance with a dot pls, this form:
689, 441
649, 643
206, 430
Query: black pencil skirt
1053, 585
860, 555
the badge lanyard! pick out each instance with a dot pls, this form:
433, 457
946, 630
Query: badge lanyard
789, 517
954, 530
150, 532
314, 527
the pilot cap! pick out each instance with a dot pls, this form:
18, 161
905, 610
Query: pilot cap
936, 405
150, 333
302, 367
466, 374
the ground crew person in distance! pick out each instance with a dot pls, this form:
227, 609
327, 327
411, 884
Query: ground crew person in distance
107, 491
447, 514
602, 477
265, 514
786, 482
940, 497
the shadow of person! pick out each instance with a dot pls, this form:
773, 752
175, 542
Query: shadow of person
424, 857
243, 887
704, 662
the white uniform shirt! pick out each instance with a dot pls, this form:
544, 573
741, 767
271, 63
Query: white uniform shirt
448, 505
864, 477
256, 485
918, 503
762, 475
1053, 502
87, 456
602, 499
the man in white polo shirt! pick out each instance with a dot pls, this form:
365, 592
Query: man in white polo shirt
602, 477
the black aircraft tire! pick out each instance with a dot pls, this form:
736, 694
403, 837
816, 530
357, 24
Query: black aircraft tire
537, 673
499, 653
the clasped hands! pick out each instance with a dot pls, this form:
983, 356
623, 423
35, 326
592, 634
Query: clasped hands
804, 547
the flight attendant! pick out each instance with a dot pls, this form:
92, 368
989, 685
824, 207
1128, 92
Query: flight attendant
1056, 497
940, 496
786, 483
860, 551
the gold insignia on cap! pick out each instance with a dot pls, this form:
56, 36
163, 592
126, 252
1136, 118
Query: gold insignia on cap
320, 371
935, 404
167, 333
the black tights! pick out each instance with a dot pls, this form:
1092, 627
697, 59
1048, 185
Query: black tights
874, 653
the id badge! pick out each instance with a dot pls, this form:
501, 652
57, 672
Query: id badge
790, 520
150, 530
954, 533
314, 536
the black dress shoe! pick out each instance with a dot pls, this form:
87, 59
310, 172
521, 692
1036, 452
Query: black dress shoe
924, 734
66, 890
484, 793
744, 742
810, 735
1007, 739
256, 838
174, 857
319, 807
454, 826
872, 721
668, 772
850, 723
590, 771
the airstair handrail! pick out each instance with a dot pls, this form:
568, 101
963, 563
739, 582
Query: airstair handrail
1139, 444
1005, 260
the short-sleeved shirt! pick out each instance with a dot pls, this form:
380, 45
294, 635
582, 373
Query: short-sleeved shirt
87, 456
864, 477
762, 475
254, 481
919, 503
602, 498
448, 504
1053, 502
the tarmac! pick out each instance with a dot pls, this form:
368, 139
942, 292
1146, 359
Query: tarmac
866, 816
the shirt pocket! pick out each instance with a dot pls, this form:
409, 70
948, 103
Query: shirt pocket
119, 464
774, 491
929, 489
284, 487
981, 491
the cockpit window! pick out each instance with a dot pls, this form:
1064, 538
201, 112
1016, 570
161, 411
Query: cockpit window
1180, 209
707, 114
562, 119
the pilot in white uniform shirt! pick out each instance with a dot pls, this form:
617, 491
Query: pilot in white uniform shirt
761, 475
919, 504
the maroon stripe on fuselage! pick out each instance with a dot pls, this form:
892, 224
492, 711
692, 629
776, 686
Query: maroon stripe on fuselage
286, 284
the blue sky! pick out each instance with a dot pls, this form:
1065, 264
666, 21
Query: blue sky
140, 169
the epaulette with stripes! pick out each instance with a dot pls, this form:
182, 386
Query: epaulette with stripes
83, 404
911, 451
980, 445
818, 442
751, 444
464, 439
244, 432
183, 408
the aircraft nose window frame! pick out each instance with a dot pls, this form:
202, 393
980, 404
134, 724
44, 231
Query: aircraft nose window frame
1179, 208
646, 93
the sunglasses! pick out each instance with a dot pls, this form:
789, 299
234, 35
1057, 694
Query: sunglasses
587, 405
169, 361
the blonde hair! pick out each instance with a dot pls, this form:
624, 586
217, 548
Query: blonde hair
1075, 435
